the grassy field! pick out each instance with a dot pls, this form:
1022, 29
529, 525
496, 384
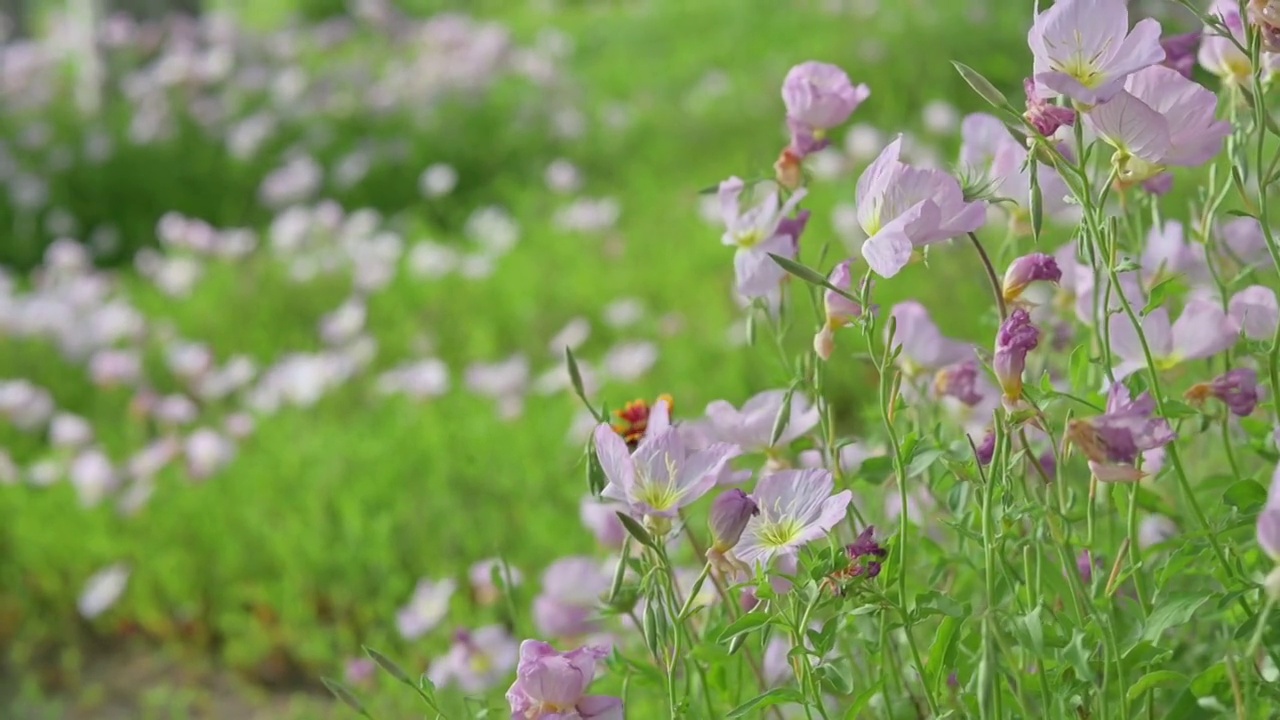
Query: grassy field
286, 561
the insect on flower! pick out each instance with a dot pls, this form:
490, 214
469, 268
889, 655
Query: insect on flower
633, 419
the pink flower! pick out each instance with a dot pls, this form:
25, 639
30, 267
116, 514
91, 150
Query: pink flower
427, 607
662, 475
1159, 119
1044, 115
476, 661
1255, 310
840, 310
1168, 252
796, 508
924, 347
987, 149
901, 208
818, 97
751, 428
552, 686
757, 233
102, 590
1083, 49
1203, 330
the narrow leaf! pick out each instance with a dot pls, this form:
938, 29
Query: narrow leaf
981, 85
346, 696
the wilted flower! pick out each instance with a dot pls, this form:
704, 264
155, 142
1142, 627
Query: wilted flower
477, 660
1031, 279
1159, 119
1203, 330
1017, 337
1255, 310
552, 686
1083, 49
1237, 389
757, 233
662, 475
840, 310
102, 590
1114, 440
796, 508
1043, 114
818, 96
426, 608
902, 208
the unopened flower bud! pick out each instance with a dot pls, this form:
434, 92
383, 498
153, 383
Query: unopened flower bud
729, 515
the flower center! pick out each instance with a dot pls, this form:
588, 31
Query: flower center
749, 238
780, 534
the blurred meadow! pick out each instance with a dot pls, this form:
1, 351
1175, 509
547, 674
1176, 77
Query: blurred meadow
286, 288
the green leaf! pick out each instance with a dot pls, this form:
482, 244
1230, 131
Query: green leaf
775, 696
744, 625
575, 378
860, 702
1031, 631
1079, 367
935, 603
809, 275
1245, 495
783, 417
636, 530
1078, 657
1153, 680
981, 85
943, 650
346, 696
876, 470
923, 460
1167, 287
390, 666
836, 677
1174, 410
1172, 612
596, 480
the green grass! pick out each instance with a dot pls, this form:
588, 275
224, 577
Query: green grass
328, 516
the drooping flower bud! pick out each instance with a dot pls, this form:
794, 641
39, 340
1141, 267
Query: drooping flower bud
729, 515
1159, 185
1044, 115
959, 381
840, 310
788, 169
1237, 389
1017, 337
1028, 276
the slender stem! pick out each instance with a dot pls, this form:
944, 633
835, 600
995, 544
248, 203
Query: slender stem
991, 275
